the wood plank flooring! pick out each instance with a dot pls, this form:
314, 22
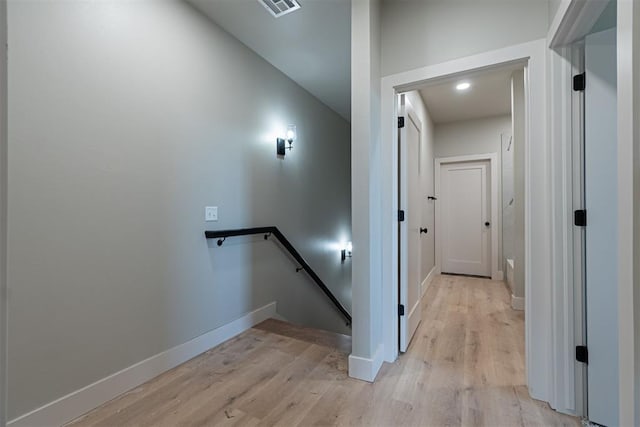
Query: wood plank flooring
465, 366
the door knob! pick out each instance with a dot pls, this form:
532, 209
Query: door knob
487, 224
423, 230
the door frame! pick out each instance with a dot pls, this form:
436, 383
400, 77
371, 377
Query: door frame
403, 204
539, 321
496, 274
571, 22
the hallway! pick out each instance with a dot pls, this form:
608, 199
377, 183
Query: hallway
465, 366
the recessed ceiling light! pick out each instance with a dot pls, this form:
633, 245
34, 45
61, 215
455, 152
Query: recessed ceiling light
463, 86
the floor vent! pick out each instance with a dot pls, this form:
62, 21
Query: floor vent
279, 8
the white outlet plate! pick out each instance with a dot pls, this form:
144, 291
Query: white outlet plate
211, 213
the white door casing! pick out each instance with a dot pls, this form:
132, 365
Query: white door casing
492, 174
601, 188
465, 207
409, 233
539, 321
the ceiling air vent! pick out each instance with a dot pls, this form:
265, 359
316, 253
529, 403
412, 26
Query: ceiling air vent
279, 8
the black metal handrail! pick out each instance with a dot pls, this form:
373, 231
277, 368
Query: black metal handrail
221, 235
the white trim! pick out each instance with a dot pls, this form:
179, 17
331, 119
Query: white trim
3, 216
575, 313
628, 39
537, 201
569, 25
557, 21
81, 401
493, 166
427, 281
408, 323
574, 19
366, 369
565, 133
517, 303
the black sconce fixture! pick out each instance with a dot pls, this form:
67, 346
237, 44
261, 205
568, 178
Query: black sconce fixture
346, 251
290, 137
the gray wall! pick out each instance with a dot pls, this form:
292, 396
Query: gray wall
428, 259
416, 33
3, 212
554, 5
127, 118
478, 136
518, 125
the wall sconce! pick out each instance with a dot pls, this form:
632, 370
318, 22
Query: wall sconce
290, 137
346, 251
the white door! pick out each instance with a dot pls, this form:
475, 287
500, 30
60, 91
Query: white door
465, 218
601, 189
409, 233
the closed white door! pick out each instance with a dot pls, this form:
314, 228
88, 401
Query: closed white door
409, 235
601, 189
465, 218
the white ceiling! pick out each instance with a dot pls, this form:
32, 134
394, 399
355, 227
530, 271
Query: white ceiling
489, 95
311, 45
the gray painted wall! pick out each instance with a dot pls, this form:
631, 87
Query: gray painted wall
426, 183
554, 5
478, 136
3, 213
417, 33
126, 120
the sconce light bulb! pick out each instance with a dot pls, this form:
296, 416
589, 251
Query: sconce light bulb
291, 133
349, 247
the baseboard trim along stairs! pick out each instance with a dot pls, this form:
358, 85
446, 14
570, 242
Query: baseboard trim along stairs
81, 401
366, 369
517, 303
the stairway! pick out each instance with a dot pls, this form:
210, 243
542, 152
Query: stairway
273, 373
314, 336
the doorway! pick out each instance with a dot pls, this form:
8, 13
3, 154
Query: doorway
456, 164
537, 204
464, 216
585, 129
600, 224
601, 188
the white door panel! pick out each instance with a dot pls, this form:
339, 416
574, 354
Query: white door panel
601, 189
464, 194
409, 245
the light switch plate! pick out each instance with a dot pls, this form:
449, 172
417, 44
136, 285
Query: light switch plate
211, 213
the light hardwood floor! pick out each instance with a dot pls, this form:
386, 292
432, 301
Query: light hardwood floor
465, 366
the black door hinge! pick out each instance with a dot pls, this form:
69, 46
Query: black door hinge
400, 122
400, 216
400, 310
580, 218
579, 82
582, 354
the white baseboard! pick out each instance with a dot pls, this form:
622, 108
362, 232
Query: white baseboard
366, 369
499, 275
427, 280
517, 303
81, 401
